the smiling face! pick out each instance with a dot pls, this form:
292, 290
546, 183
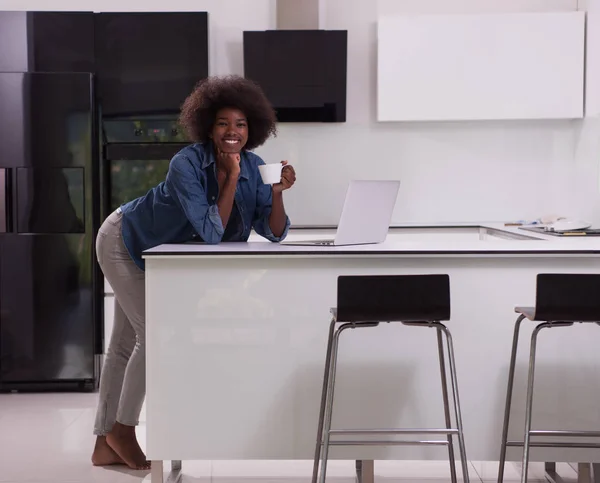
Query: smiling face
230, 131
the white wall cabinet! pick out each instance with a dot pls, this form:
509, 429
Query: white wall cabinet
481, 67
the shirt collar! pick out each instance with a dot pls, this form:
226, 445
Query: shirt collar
209, 158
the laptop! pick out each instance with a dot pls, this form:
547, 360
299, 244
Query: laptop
366, 216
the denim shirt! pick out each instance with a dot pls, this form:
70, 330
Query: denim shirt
184, 206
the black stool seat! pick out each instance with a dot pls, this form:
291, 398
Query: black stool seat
393, 298
565, 297
561, 301
367, 301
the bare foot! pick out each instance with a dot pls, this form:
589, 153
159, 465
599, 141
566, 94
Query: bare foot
124, 443
104, 455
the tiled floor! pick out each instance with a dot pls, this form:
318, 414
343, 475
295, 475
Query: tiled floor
46, 438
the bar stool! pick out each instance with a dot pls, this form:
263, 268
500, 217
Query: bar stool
363, 302
561, 300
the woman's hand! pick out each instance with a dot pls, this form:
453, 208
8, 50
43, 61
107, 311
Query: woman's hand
229, 163
288, 178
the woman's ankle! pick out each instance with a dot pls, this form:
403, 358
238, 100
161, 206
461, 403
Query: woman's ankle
120, 429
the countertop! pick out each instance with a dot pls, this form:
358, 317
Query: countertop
457, 239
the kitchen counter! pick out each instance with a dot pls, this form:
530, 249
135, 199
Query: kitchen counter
237, 333
410, 240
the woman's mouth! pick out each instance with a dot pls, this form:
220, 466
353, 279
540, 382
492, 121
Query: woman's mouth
231, 142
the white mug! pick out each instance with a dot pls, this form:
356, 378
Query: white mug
270, 173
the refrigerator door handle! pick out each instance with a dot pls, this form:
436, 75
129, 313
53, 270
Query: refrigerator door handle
5, 200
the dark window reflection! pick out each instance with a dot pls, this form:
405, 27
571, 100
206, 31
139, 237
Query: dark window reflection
50, 200
132, 179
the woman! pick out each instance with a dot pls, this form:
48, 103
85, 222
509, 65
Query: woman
212, 192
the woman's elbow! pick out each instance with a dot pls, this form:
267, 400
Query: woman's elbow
212, 237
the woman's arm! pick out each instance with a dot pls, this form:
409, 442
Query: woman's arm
278, 218
270, 218
226, 197
231, 172
190, 196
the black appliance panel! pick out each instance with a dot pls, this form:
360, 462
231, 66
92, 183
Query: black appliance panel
159, 130
149, 62
303, 72
50, 200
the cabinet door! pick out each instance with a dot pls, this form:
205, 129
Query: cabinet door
47, 41
46, 145
46, 309
62, 41
149, 62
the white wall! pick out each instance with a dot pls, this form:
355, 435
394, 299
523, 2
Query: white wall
13, 30
450, 171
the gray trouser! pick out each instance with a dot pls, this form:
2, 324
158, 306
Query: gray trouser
123, 381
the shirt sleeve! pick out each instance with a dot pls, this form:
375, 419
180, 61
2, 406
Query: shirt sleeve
264, 203
188, 193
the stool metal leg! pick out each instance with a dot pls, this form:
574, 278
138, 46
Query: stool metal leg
365, 471
451, 456
529, 401
329, 400
319, 444
459, 425
509, 391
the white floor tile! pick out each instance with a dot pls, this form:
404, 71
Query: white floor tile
55, 432
277, 479
330, 479
419, 469
419, 480
233, 471
193, 472
278, 469
488, 471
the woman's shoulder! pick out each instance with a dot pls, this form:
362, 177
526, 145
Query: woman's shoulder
192, 156
193, 152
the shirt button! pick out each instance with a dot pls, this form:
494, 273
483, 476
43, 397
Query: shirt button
213, 198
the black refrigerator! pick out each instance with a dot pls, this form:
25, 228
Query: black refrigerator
49, 314
88, 110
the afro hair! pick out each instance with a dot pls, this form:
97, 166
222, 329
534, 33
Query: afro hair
199, 110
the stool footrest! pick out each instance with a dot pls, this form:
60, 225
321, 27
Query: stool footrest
555, 444
386, 443
335, 432
566, 434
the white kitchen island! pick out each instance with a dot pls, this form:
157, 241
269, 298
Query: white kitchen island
236, 340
